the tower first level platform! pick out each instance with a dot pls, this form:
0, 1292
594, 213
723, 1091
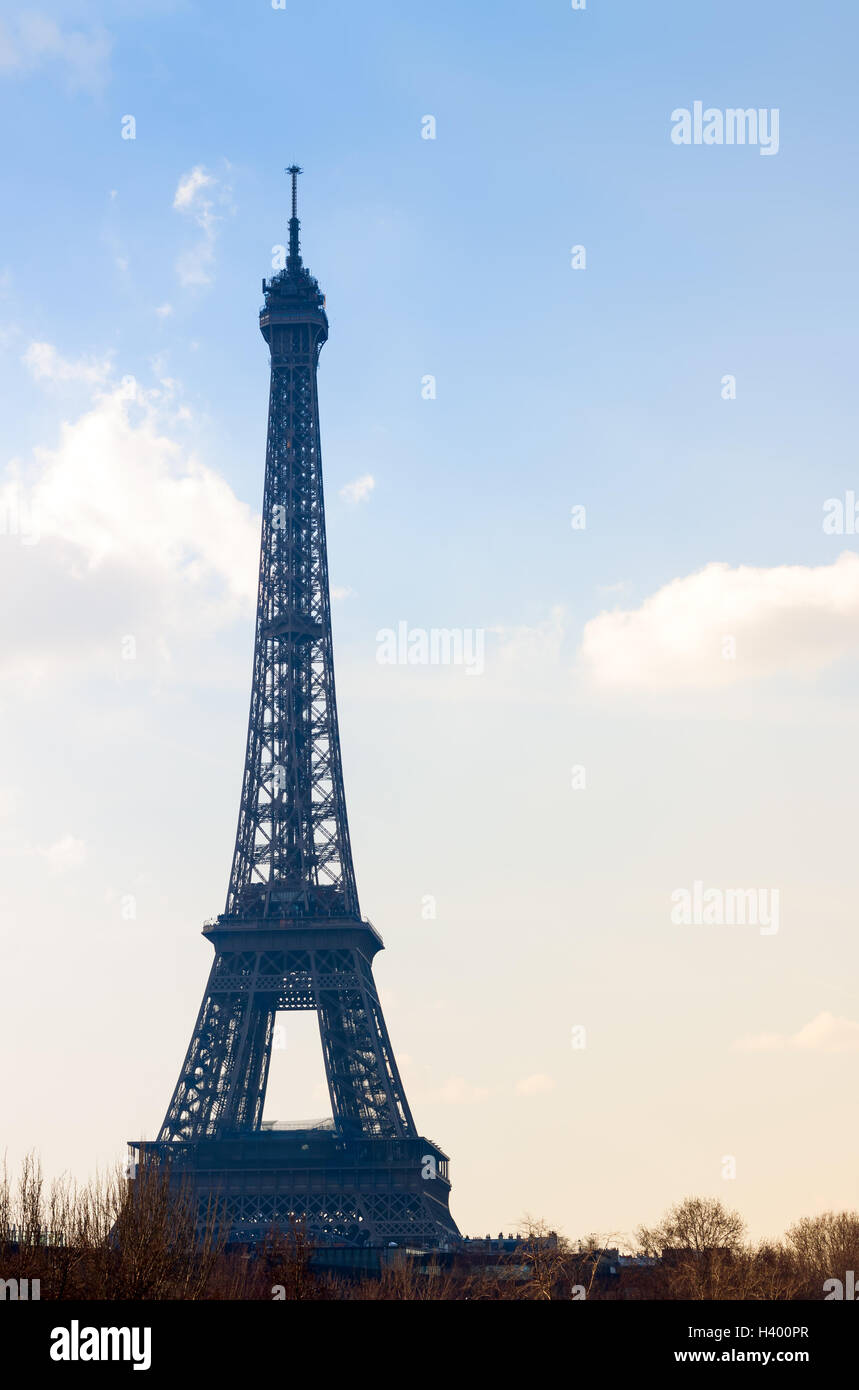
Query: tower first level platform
353, 1191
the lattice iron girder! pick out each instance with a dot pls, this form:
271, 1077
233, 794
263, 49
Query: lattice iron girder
292, 823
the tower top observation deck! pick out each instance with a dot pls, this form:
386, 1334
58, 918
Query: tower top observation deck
293, 294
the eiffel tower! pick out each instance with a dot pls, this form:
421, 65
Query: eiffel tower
292, 935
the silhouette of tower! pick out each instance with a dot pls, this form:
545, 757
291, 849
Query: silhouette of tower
292, 935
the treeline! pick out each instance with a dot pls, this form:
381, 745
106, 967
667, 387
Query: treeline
111, 1239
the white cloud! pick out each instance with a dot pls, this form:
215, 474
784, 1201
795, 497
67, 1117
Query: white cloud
124, 531
825, 1033
189, 187
536, 1085
164, 310
34, 42
359, 490
46, 364
197, 194
340, 593
790, 619
457, 1091
67, 853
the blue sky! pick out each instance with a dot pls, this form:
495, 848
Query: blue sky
555, 387
552, 130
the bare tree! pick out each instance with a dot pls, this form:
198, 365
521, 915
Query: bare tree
30, 1211
546, 1256
286, 1261
696, 1223
700, 1242
824, 1247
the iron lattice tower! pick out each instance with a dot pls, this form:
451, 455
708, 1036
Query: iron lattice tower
292, 936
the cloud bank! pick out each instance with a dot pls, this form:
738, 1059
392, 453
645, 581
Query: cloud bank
723, 625
825, 1033
119, 530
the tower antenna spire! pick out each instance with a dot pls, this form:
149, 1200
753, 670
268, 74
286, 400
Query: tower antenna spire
294, 253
